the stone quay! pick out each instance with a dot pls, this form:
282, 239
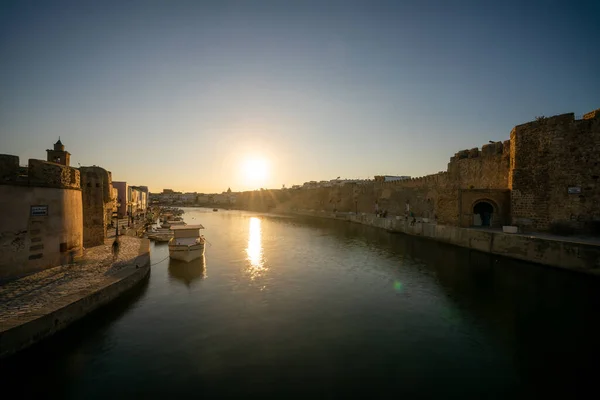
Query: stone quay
41, 304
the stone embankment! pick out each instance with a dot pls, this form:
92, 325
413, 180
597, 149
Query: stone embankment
41, 304
576, 254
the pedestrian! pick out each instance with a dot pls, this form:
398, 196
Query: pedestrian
115, 249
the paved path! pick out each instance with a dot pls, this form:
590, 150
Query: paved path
547, 236
27, 298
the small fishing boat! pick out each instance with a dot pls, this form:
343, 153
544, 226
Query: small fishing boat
170, 223
159, 235
187, 243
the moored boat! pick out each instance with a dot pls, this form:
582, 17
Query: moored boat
170, 223
187, 243
159, 235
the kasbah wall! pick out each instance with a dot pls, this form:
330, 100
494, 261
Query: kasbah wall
78, 206
32, 242
525, 180
98, 204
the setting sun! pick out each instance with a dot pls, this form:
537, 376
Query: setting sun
255, 171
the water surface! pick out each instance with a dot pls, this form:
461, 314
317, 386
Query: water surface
282, 307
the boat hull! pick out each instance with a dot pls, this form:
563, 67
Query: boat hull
186, 253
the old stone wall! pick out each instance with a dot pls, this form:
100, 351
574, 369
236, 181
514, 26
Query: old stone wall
545, 178
97, 190
42, 173
37, 173
555, 170
434, 196
32, 240
30, 243
9, 167
499, 199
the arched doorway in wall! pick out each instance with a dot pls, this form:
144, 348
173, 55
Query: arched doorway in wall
484, 211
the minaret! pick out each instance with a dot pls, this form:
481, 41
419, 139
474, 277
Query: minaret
59, 155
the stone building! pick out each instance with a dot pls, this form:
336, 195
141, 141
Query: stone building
99, 202
544, 178
42, 216
58, 155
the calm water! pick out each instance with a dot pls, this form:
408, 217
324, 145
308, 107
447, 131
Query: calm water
287, 308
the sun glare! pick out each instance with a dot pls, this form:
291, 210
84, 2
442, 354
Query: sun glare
255, 171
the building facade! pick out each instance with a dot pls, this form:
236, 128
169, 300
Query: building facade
42, 213
132, 201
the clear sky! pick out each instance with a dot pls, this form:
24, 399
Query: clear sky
184, 94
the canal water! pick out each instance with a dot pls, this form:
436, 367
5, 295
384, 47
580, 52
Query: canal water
284, 308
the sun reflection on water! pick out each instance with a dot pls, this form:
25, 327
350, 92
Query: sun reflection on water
255, 250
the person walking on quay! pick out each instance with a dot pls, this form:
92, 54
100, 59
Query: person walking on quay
115, 248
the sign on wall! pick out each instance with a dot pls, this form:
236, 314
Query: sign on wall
574, 190
39, 211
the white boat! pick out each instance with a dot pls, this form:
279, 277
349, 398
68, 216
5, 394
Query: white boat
159, 234
187, 243
171, 223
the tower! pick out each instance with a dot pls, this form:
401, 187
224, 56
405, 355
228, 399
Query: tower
59, 155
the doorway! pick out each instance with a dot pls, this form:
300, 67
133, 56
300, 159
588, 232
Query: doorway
484, 210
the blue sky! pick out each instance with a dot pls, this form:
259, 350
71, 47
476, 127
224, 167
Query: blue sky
177, 94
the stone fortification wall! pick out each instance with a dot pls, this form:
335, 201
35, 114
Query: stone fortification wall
545, 178
38, 173
434, 196
41, 212
487, 168
97, 192
555, 170
263, 200
29, 242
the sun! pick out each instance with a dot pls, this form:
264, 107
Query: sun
255, 171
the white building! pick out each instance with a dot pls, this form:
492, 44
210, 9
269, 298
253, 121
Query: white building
391, 178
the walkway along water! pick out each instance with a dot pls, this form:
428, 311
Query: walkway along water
556, 251
42, 304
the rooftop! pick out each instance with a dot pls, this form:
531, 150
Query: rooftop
186, 227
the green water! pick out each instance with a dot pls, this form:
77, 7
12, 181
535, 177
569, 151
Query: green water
284, 308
